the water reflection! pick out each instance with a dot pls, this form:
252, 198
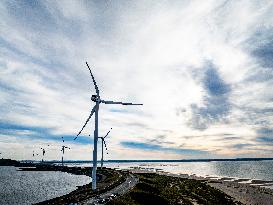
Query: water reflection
238, 169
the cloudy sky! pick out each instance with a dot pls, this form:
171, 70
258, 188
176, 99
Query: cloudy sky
202, 69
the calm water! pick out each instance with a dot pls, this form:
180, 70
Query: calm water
23, 187
248, 169
238, 169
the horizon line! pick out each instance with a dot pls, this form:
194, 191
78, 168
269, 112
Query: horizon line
160, 160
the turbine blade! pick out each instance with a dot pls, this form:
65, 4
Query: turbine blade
92, 112
107, 133
121, 103
105, 145
96, 87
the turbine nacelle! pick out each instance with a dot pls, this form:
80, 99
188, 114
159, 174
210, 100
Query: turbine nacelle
95, 98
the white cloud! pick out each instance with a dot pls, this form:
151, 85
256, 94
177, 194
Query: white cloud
141, 52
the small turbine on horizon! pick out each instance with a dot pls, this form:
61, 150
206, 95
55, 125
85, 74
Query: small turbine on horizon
96, 98
62, 150
103, 143
34, 154
43, 153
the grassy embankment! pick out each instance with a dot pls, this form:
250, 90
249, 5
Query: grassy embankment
163, 190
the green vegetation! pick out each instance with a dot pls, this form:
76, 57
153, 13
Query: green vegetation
165, 190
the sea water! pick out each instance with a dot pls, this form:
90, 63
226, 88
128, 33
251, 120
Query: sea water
28, 187
262, 170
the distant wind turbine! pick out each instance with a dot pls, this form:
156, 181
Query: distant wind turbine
34, 154
97, 100
62, 150
103, 143
43, 153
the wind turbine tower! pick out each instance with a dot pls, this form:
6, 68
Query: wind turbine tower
43, 153
96, 98
103, 143
62, 150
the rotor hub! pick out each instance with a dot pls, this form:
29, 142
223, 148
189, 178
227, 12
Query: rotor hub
95, 98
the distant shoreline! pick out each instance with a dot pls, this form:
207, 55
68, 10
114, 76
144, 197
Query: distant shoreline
158, 161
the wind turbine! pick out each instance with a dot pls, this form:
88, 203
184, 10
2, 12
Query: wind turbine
43, 152
95, 109
62, 150
103, 143
34, 154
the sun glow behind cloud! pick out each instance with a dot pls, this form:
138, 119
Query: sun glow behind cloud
203, 71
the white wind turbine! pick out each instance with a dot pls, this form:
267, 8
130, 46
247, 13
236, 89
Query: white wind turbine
97, 100
43, 152
62, 150
103, 143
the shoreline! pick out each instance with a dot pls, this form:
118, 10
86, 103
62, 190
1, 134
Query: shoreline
267, 184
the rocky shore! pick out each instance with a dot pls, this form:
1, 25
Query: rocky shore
247, 193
